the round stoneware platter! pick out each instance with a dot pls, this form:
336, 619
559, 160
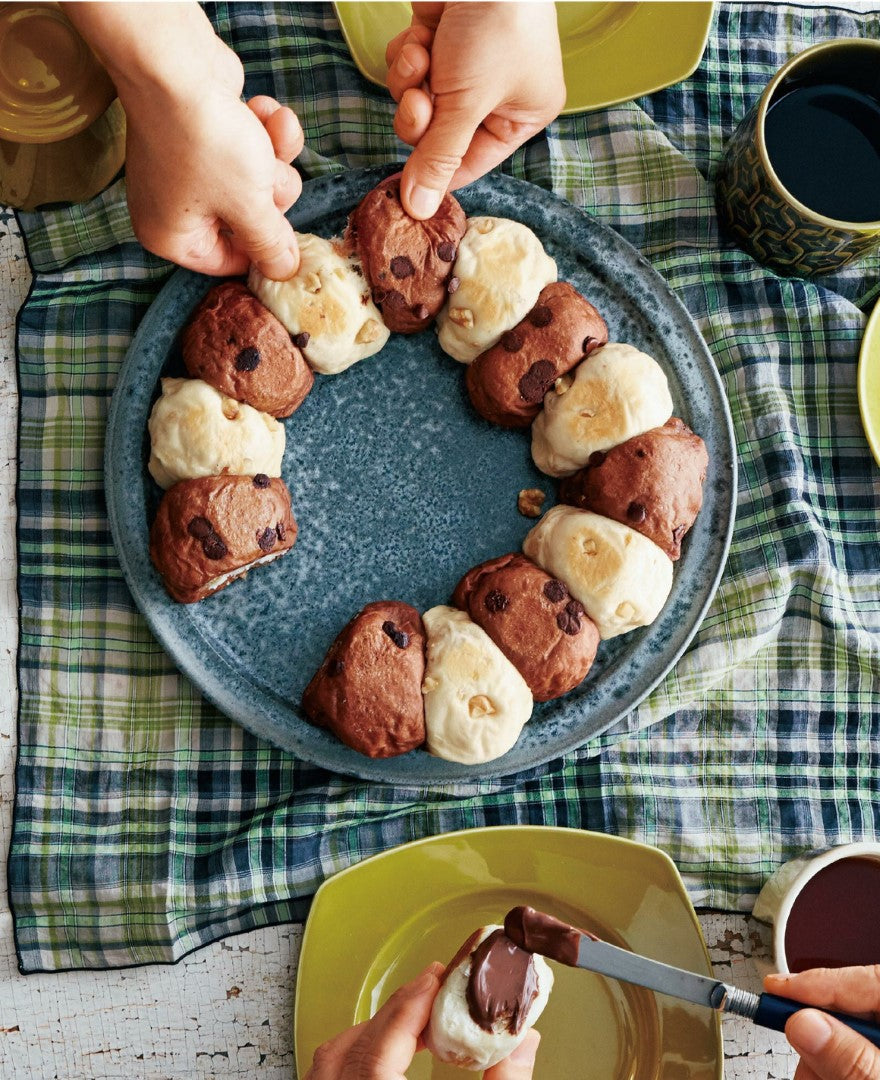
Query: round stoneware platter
399, 487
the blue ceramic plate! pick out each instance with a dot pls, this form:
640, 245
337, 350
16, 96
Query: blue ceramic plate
399, 487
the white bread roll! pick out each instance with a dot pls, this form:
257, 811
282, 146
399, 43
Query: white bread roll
197, 431
617, 392
476, 702
621, 577
501, 268
453, 1036
329, 299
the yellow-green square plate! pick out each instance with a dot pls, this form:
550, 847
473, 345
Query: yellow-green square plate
378, 923
610, 52
869, 382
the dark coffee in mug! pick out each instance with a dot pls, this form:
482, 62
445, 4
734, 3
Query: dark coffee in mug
835, 918
798, 184
823, 142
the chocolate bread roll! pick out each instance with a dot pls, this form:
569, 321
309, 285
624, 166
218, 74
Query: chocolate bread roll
368, 690
214, 529
237, 345
653, 482
533, 619
507, 383
408, 263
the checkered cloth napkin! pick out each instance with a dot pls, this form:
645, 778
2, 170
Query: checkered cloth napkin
146, 824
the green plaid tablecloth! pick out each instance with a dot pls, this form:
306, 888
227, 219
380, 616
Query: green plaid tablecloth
147, 825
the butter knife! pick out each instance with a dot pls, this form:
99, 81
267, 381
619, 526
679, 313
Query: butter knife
537, 932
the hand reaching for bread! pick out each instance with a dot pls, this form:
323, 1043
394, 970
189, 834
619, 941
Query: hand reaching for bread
473, 82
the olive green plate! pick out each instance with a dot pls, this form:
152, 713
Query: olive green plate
869, 382
610, 52
378, 923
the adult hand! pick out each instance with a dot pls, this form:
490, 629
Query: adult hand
828, 1049
208, 176
472, 81
383, 1048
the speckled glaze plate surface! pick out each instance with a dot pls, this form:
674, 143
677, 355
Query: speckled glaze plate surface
399, 487
365, 936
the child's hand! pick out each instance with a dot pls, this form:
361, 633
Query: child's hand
208, 177
473, 81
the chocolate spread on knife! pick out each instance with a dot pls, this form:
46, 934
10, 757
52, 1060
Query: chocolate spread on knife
539, 933
502, 983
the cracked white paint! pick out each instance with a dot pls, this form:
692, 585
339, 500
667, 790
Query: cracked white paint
225, 1012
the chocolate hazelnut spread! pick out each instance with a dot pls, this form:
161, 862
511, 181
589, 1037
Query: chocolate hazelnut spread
502, 984
539, 933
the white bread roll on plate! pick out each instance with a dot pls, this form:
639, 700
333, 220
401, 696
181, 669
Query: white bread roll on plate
326, 306
500, 268
617, 392
197, 431
621, 577
491, 994
476, 701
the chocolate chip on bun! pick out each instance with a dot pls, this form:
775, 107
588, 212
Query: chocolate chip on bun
507, 382
653, 483
214, 529
534, 621
368, 690
408, 263
237, 345
490, 995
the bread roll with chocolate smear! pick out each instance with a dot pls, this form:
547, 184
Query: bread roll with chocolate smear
408, 263
491, 994
533, 619
653, 483
500, 270
368, 690
507, 382
211, 530
326, 306
237, 346
617, 392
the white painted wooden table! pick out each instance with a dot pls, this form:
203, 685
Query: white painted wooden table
225, 1012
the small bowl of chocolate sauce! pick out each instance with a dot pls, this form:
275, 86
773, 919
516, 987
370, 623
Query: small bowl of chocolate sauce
823, 908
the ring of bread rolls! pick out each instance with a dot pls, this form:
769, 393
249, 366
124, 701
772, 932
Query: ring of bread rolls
525, 627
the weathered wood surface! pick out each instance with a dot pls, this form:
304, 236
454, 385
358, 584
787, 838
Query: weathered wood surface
225, 1012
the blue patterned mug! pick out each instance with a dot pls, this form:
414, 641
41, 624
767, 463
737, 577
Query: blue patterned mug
783, 186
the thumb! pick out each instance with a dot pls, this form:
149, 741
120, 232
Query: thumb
519, 1065
438, 154
832, 1050
267, 238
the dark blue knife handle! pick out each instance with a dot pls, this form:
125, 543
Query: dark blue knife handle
773, 1011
